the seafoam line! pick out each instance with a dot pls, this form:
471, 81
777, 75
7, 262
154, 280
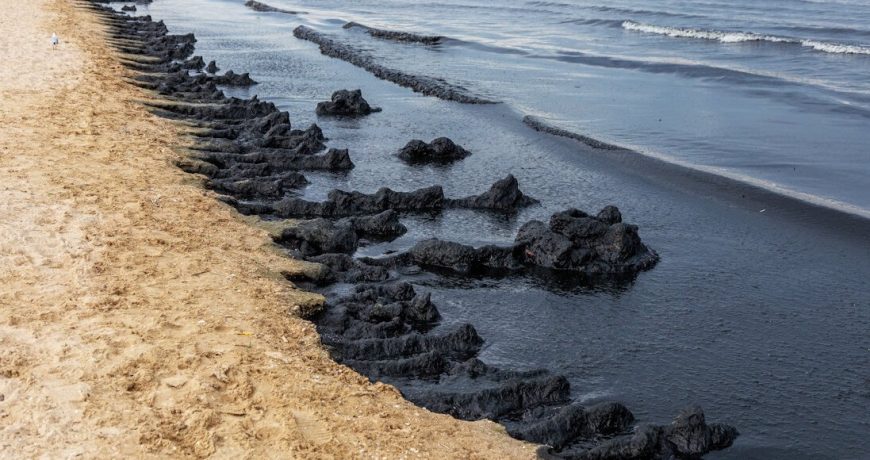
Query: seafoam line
740, 37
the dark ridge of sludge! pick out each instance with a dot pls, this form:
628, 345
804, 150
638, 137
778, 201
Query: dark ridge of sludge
503, 196
247, 151
262, 7
138, 2
425, 85
397, 36
541, 126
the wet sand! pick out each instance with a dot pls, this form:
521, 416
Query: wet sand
141, 317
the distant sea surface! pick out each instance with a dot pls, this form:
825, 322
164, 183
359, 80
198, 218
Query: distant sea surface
772, 92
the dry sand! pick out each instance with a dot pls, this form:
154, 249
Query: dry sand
138, 316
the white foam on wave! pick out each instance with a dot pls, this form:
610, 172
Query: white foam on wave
740, 37
835, 48
596, 395
725, 37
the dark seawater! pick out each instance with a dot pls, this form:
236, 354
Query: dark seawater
773, 92
760, 307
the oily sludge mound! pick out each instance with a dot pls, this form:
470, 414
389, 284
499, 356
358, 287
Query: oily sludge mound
440, 150
503, 196
391, 333
138, 2
576, 241
258, 6
194, 63
248, 150
688, 437
345, 103
319, 236
573, 241
230, 78
178, 80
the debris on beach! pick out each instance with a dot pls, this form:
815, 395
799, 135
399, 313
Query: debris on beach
248, 151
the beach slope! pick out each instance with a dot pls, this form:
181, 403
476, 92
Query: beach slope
139, 317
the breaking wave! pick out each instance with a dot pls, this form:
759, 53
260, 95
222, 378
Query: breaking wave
739, 37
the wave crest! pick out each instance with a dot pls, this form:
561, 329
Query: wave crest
739, 37
835, 48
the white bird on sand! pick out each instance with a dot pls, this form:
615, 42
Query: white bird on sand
54, 40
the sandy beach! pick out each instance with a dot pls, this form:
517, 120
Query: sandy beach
141, 317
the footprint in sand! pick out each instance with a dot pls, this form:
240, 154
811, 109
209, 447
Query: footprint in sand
311, 427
